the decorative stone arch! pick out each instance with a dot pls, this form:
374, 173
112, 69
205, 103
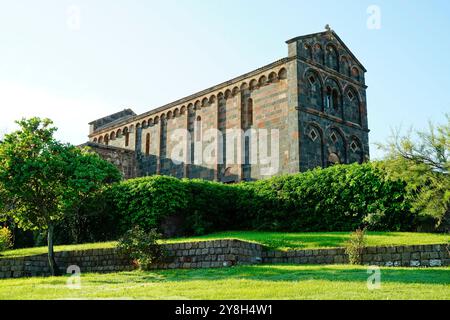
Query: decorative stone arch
314, 89
356, 150
262, 81
176, 113
318, 54
337, 143
197, 105
100, 140
235, 91
138, 125
244, 86
273, 77
307, 51
169, 114
94, 140
345, 66
228, 94
163, 117
112, 136
144, 124
352, 104
314, 142
356, 73
205, 102
212, 99
332, 56
253, 84
106, 139
156, 120
183, 110
282, 74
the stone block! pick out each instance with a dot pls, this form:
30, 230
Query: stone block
435, 263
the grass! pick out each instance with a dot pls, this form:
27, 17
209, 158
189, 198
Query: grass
278, 282
274, 240
316, 240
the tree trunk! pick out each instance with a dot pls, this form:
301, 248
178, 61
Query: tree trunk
51, 255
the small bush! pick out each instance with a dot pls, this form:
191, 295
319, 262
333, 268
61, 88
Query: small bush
141, 246
6, 239
354, 247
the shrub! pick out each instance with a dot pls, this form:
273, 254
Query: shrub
339, 198
6, 239
146, 202
141, 246
354, 247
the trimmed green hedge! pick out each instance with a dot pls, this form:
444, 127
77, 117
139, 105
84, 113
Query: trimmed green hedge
339, 198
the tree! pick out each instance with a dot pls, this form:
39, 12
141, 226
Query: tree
422, 160
42, 179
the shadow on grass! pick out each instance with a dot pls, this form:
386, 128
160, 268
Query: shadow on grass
286, 273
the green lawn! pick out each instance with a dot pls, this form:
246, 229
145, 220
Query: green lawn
247, 282
276, 240
316, 240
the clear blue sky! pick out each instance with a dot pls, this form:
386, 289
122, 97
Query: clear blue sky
142, 54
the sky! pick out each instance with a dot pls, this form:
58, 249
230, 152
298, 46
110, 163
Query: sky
76, 61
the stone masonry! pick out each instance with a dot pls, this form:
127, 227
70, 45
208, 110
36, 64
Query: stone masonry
315, 98
226, 253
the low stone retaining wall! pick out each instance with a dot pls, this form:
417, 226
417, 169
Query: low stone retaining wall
225, 253
405, 256
96, 260
211, 254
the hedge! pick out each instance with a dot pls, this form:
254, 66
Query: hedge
339, 198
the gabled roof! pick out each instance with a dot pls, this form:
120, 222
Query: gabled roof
325, 33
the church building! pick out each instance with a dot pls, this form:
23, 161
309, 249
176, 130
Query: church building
304, 111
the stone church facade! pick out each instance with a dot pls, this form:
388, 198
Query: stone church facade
314, 99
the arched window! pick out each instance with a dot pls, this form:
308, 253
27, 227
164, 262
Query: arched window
332, 58
247, 114
333, 98
127, 137
106, 139
147, 144
355, 74
100, 140
198, 129
95, 140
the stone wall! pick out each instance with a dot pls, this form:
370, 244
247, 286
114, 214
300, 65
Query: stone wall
124, 160
96, 260
405, 256
225, 253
